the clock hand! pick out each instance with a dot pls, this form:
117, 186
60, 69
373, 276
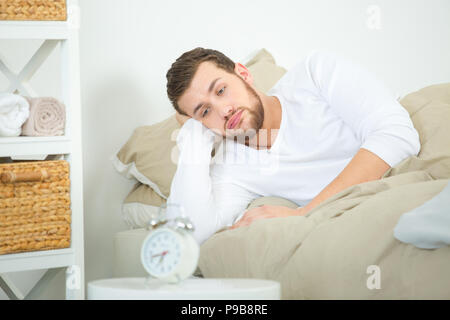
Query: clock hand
162, 254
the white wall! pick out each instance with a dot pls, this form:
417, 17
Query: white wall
127, 46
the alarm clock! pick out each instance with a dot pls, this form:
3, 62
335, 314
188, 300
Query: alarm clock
170, 252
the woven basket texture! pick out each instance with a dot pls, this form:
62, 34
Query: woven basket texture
35, 215
50, 10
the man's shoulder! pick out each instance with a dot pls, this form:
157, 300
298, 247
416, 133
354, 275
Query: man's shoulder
297, 76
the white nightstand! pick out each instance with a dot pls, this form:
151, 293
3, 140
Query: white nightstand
190, 289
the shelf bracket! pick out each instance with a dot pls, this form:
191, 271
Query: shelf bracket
19, 83
43, 284
10, 288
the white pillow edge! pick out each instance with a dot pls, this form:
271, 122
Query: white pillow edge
136, 214
130, 171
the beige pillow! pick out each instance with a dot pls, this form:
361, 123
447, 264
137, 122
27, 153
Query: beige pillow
148, 153
264, 70
428, 108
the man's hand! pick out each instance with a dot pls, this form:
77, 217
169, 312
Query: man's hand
267, 212
181, 118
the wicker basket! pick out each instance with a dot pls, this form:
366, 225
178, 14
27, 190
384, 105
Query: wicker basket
54, 10
34, 206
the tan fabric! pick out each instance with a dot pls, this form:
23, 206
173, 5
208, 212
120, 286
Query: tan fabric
144, 194
273, 201
264, 70
429, 110
326, 254
148, 153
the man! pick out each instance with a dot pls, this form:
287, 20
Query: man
326, 125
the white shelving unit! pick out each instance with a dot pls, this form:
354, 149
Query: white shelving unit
67, 147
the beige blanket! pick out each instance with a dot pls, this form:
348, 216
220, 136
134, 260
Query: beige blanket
341, 245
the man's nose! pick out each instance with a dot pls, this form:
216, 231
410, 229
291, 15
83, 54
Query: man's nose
226, 112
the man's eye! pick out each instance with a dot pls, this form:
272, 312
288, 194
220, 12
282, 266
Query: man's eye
221, 91
205, 112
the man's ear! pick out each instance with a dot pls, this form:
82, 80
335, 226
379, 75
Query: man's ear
243, 72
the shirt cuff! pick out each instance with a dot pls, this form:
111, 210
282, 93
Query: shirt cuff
195, 142
389, 151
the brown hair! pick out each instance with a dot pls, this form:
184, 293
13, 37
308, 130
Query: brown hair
180, 74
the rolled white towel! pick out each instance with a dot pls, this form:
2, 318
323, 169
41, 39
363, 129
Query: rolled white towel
14, 111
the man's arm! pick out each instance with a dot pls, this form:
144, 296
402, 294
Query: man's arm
365, 166
365, 104
210, 204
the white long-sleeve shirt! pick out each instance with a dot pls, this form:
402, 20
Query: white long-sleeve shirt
330, 108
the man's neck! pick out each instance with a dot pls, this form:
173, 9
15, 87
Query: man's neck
265, 137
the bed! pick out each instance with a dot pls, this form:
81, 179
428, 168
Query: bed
336, 250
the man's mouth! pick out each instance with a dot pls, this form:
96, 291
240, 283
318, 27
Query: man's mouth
234, 120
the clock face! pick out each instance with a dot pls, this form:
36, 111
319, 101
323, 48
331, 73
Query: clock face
161, 252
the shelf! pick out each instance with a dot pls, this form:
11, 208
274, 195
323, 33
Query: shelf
34, 29
36, 260
32, 148
29, 146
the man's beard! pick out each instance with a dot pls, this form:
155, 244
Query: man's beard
254, 117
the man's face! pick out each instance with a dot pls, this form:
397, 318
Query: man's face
223, 102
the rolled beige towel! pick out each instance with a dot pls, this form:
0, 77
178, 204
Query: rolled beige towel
47, 117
